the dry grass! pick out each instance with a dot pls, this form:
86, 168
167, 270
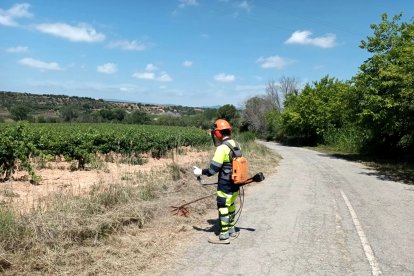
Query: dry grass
124, 226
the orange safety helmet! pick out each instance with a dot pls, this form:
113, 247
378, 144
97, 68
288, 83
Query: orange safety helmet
220, 125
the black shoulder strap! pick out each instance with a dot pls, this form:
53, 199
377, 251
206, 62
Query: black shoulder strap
235, 150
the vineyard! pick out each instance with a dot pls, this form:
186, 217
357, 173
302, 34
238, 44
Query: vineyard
20, 143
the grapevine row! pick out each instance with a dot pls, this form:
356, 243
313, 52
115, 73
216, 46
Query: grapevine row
20, 142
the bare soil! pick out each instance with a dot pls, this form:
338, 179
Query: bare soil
57, 177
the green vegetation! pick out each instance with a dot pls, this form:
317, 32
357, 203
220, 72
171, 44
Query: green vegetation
318, 109
58, 109
371, 113
80, 142
385, 86
15, 146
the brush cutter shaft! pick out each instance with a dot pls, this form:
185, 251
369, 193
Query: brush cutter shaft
183, 210
259, 177
198, 199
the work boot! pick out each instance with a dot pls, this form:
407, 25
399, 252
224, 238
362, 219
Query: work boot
223, 238
233, 233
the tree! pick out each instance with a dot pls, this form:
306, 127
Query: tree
288, 85
210, 113
107, 114
20, 113
69, 113
138, 117
119, 114
273, 125
318, 108
254, 114
385, 84
273, 95
229, 113
169, 120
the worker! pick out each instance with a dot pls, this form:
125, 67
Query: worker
227, 191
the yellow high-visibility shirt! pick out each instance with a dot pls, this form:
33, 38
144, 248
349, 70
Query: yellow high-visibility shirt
221, 156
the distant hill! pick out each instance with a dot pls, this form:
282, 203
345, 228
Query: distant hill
47, 101
49, 105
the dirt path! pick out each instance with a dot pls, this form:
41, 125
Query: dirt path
317, 216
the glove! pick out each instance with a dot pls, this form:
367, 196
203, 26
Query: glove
197, 171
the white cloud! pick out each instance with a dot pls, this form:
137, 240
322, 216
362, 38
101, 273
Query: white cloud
42, 65
186, 3
7, 17
150, 74
245, 6
274, 62
164, 77
130, 45
187, 63
18, 49
80, 33
224, 78
151, 67
20, 10
144, 75
126, 89
107, 68
305, 38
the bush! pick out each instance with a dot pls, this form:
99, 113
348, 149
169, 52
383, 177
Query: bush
347, 139
15, 149
244, 137
20, 113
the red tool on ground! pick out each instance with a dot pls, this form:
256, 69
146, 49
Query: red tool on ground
182, 210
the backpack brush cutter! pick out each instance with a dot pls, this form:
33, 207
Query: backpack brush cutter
183, 210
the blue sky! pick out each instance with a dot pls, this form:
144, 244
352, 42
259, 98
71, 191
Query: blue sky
183, 52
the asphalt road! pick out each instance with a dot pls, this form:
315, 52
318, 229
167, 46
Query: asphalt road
318, 215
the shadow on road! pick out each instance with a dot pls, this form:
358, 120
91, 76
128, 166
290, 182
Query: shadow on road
214, 227
384, 169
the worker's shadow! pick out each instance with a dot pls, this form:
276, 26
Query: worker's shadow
214, 227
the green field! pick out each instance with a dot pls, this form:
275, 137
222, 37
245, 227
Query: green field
21, 142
